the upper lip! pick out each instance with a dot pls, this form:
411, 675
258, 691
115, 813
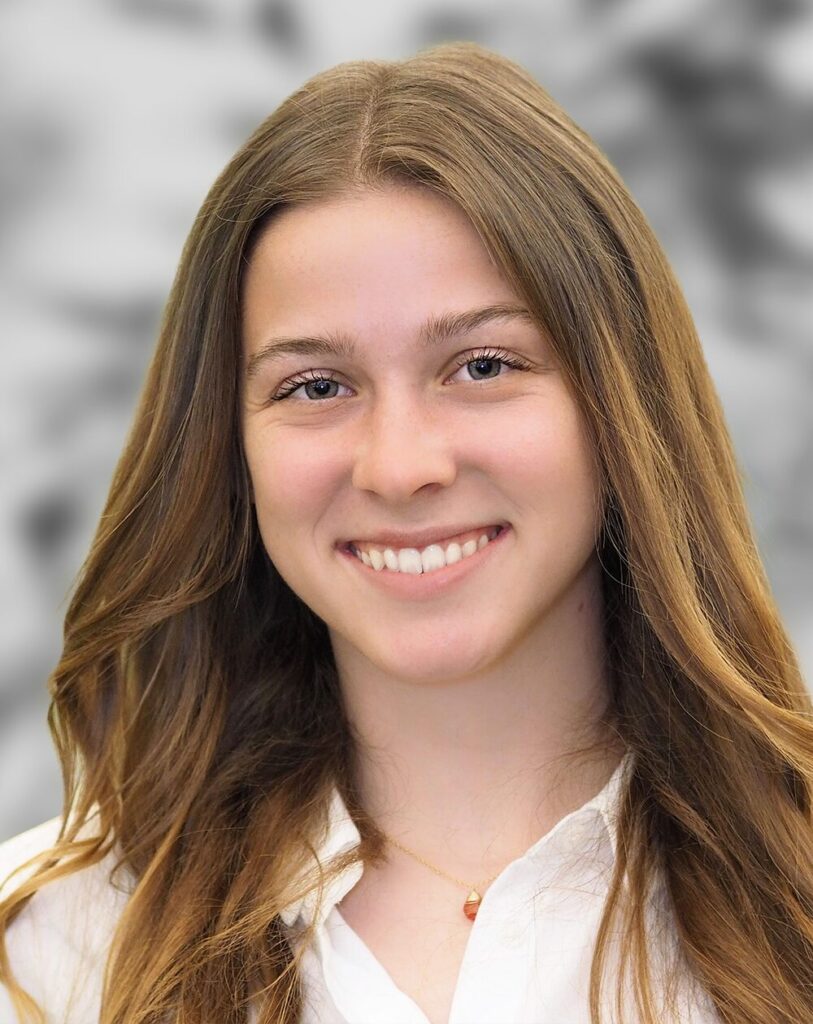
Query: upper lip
420, 538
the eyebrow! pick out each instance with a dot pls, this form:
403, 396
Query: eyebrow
433, 331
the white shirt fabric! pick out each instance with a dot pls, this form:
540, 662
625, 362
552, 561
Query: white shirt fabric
527, 960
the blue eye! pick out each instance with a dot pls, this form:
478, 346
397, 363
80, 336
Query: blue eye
315, 379
318, 384
492, 360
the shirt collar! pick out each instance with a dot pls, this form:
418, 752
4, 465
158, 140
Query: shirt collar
343, 835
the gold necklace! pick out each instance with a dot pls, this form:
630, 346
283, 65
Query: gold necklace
472, 903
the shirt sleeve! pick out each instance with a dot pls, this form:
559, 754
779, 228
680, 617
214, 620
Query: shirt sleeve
58, 944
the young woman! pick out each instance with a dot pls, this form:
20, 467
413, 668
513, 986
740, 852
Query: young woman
424, 667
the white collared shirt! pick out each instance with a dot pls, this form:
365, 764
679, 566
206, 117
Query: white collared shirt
527, 960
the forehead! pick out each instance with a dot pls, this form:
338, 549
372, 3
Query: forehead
375, 260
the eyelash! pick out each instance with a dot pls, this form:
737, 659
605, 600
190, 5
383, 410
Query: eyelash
481, 355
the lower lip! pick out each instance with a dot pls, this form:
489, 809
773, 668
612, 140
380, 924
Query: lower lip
428, 584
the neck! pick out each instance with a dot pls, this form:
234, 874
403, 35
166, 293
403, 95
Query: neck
471, 772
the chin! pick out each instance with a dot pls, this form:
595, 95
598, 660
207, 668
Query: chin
426, 664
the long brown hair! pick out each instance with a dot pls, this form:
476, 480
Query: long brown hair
196, 707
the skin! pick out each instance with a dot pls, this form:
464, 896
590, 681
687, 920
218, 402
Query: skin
466, 705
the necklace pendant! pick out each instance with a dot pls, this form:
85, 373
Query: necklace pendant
472, 904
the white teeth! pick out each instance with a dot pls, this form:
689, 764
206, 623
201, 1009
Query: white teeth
409, 560
433, 557
414, 562
453, 553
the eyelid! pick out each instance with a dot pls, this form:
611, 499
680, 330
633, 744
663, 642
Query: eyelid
291, 384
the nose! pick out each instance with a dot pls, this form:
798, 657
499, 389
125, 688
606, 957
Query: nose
403, 448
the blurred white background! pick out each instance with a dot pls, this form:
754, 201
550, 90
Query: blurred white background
117, 115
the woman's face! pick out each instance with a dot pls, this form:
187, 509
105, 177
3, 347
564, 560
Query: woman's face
420, 433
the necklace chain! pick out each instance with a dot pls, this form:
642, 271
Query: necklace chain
437, 871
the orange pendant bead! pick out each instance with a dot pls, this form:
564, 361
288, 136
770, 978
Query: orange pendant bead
472, 904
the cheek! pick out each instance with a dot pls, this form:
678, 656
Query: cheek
289, 493
552, 465
290, 481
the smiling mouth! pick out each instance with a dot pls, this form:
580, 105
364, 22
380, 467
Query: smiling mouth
431, 558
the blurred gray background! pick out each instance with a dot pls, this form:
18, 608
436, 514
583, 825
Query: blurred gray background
117, 115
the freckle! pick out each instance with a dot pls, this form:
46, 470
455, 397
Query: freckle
581, 605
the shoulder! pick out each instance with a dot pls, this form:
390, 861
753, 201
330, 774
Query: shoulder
58, 944
16, 851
